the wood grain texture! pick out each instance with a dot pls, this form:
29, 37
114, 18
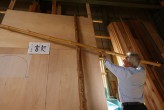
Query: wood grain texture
93, 79
62, 86
53, 25
53, 80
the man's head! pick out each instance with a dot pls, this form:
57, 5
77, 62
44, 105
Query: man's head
132, 60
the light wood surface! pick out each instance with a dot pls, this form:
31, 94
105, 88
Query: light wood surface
91, 68
53, 82
62, 81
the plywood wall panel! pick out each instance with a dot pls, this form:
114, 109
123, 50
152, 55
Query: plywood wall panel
62, 86
93, 78
53, 82
54, 25
26, 93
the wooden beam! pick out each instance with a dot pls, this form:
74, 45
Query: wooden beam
53, 7
68, 42
103, 37
59, 9
12, 4
81, 83
88, 10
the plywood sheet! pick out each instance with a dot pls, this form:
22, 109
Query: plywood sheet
14, 65
53, 25
62, 85
26, 93
95, 93
53, 81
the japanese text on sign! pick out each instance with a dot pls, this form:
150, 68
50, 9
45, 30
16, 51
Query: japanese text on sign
38, 48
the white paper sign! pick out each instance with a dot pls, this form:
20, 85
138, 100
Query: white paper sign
39, 48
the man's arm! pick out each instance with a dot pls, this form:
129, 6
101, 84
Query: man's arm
119, 71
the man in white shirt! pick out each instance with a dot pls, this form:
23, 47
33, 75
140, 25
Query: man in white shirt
131, 78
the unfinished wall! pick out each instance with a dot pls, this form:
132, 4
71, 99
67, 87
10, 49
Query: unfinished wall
52, 81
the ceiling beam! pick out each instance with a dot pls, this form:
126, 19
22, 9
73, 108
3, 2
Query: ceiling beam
116, 4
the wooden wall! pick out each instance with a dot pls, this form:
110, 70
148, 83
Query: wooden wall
51, 82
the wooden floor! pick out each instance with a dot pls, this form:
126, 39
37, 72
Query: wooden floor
50, 82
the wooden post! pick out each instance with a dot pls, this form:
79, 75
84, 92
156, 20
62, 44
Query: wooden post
59, 9
68, 42
12, 4
53, 7
83, 104
88, 10
33, 7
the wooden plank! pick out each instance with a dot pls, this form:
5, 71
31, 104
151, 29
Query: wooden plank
81, 83
155, 36
12, 4
59, 9
95, 93
63, 41
62, 86
26, 90
103, 37
53, 7
88, 10
54, 80
51, 38
52, 25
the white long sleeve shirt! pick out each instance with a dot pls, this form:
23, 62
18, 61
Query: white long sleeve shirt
130, 82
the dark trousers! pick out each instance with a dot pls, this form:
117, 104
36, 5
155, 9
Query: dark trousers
134, 106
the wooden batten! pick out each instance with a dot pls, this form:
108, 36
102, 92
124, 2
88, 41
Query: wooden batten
103, 37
